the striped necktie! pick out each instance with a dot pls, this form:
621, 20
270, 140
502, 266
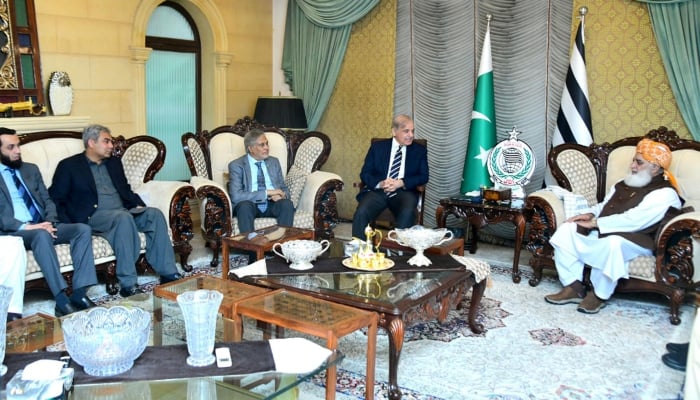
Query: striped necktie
261, 186
395, 167
26, 197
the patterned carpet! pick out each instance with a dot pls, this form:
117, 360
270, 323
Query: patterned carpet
530, 349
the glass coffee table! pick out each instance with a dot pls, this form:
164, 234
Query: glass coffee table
399, 295
145, 383
260, 241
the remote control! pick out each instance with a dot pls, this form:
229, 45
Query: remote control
223, 357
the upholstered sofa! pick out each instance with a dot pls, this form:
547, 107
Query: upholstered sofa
208, 154
142, 157
590, 171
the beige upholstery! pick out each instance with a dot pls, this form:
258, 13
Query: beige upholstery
142, 157
301, 155
591, 171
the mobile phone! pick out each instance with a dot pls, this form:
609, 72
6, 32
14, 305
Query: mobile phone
223, 357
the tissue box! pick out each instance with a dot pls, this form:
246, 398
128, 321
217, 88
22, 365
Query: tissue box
491, 194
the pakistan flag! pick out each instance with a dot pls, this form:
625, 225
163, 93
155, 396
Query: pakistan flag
482, 130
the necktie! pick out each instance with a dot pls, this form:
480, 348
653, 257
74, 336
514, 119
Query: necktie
395, 167
33, 211
261, 185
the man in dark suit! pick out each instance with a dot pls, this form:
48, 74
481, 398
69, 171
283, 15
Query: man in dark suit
27, 211
91, 188
392, 171
257, 187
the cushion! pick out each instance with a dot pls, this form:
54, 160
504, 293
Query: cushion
296, 178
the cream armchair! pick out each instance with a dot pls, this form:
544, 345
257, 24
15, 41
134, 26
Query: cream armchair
312, 191
590, 171
142, 156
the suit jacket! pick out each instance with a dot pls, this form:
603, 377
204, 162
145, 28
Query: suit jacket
35, 184
376, 166
75, 193
241, 180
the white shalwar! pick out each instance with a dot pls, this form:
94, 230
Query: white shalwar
609, 256
13, 268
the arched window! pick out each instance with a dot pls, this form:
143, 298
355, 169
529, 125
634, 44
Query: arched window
173, 89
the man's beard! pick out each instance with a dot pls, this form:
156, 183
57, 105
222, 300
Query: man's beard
640, 179
12, 164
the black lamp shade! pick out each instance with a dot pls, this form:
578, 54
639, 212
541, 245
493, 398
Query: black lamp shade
281, 112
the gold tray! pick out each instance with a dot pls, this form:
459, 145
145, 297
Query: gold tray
387, 264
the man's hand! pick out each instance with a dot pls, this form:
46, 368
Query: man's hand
391, 185
48, 226
276, 195
584, 220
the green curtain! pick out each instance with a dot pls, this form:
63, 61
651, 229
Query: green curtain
315, 39
677, 28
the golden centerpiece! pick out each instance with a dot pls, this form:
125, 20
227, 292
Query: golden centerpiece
367, 256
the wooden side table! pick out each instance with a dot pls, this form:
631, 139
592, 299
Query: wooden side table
32, 333
260, 241
317, 317
483, 213
233, 291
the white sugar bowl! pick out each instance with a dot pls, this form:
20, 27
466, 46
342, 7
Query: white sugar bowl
301, 252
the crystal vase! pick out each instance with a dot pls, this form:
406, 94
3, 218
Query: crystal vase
199, 309
5, 294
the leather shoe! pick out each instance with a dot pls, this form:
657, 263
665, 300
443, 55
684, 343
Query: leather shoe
170, 278
675, 361
130, 291
681, 348
567, 295
13, 317
82, 303
64, 310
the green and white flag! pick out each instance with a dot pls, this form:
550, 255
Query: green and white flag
482, 130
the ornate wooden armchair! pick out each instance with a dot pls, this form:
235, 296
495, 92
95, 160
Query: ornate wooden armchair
208, 154
591, 171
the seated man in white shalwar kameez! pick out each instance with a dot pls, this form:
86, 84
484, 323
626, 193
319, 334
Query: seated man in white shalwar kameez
609, 235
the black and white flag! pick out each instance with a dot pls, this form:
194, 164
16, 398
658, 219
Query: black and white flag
574, 117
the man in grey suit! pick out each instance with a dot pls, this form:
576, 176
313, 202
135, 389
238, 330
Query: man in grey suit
257, 187
27, 211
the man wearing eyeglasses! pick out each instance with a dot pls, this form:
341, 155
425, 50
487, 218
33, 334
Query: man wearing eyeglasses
257, 188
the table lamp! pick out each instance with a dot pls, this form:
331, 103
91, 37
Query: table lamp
282, 112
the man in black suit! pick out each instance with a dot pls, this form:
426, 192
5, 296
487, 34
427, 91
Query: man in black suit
26, 210
392, 171
91, 188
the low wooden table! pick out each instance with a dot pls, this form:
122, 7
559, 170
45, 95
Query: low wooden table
32, 333
232, 291
260, 241
483, 213
317, 317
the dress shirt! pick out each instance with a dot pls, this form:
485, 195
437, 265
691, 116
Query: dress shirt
254, 173
20, 209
